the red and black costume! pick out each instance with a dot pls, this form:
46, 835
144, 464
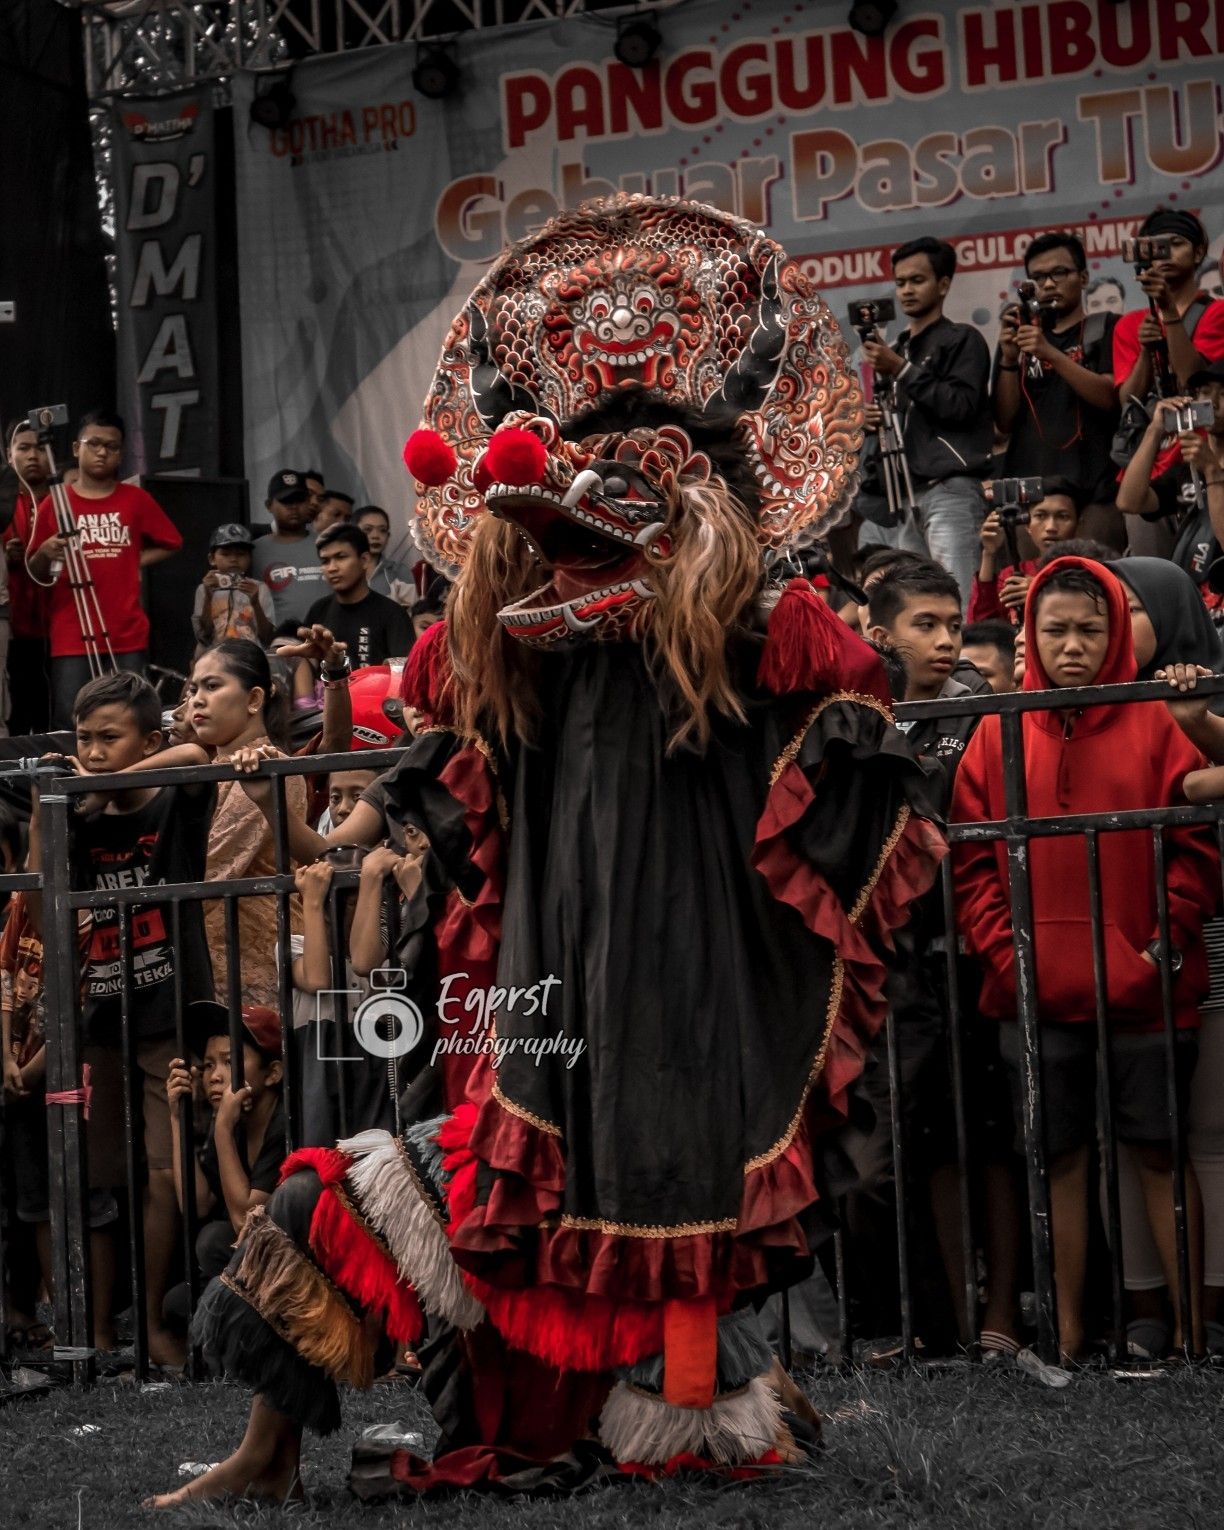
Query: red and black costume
711, 873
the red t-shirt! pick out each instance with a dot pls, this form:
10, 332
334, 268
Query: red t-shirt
114, 531
1207, 339
28, 602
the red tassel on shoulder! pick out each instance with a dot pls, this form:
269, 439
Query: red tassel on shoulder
809, 650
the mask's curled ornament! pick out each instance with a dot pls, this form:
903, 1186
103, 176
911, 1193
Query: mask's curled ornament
683, 306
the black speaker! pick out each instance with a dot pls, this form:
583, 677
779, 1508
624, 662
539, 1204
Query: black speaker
197, 506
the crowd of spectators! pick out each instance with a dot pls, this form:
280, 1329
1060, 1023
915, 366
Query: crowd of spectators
1064, 530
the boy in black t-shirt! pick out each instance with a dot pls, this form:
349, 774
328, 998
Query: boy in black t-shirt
147, 834
238, 1164
375, 628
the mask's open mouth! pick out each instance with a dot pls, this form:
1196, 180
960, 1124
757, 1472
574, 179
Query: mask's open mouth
579, 557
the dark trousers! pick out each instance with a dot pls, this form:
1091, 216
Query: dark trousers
70, 674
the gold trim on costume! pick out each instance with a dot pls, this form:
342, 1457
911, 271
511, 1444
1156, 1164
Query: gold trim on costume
890, 844
817, 1068
523, 1114
634, 1230
792, 749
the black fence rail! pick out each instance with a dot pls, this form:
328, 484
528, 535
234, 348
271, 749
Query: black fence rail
1016, 831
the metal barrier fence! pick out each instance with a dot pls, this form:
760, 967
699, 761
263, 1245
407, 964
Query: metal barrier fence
1016, 831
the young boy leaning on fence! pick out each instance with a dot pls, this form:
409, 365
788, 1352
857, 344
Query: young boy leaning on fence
1098, 759
126, 839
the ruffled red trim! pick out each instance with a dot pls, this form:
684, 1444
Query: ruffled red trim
906, 874
469, 931
362, 1269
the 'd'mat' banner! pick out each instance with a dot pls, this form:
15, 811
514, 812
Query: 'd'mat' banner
367, 219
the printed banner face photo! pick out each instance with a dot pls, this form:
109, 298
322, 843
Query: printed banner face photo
367, 219
164, 220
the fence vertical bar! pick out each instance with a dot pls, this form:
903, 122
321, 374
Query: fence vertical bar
1180, 1222
233, 992
131, 1121
958, 1102
65, 1123
186, 1135
901, 1198
1015, 796
340, 1005
291, 1091
1105, 1094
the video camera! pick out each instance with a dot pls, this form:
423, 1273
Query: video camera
868, 315
1145, 253
1030, 308
1011, 497
1180, 418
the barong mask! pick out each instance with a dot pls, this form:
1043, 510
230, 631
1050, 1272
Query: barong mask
682, 305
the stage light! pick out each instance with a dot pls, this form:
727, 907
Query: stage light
436, 75
273, 106
871, 17
637, 41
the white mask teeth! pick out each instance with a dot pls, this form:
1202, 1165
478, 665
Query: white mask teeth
582, 484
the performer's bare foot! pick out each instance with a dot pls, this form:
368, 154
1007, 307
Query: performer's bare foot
267, 1465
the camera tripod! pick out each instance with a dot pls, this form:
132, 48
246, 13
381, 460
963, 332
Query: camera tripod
898, 486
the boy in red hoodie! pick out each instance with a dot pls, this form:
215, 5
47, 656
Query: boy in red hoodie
1104, 759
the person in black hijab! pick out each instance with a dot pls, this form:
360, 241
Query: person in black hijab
1169, 621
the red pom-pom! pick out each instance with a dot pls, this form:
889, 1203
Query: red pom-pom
516, 457
429, 458
481, 477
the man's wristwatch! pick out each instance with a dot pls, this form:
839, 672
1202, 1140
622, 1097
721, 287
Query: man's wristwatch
1176, 958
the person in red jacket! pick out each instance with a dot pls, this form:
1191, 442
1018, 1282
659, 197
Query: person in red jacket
1102, 759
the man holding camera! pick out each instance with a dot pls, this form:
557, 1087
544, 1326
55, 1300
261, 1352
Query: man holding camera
1192, 489
940, 371
1053, 387
1188, 323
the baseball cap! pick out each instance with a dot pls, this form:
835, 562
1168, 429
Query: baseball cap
1213, 373
288, 486
231, 535
370, 691
205, 1018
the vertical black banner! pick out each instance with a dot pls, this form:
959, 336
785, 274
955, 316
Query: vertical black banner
165, 170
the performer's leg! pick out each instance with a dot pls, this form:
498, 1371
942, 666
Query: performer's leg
266, 1465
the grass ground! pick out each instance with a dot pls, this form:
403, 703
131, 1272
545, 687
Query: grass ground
962, 1449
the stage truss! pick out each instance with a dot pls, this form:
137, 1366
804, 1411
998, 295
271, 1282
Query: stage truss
146, 46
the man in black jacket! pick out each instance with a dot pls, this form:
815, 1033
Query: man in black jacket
941, 371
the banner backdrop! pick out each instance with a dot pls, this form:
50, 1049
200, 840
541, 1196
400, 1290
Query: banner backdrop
164, 222
364, 223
